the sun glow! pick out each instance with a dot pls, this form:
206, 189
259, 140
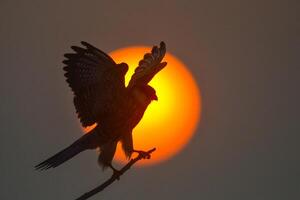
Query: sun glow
169, 123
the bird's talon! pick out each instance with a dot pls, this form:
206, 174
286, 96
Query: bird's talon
144, 154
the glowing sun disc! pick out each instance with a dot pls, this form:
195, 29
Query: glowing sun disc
169, 123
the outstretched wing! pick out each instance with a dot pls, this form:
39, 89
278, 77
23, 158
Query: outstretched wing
96, 80
149, 66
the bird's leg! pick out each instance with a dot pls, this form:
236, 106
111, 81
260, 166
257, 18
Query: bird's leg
116, 172
144, 154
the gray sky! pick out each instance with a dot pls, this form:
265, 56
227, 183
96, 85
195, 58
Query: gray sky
242, 53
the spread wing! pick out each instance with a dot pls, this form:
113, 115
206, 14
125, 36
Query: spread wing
149, 66
96, 81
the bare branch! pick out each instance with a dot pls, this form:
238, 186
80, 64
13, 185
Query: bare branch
115, 176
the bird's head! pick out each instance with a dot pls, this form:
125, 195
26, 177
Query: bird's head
149, 92
144, 94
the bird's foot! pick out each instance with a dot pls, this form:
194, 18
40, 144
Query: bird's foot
143, 154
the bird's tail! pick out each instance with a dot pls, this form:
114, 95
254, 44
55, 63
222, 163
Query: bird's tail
60, 157
87, 141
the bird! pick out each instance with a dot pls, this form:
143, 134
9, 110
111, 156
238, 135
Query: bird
101, 98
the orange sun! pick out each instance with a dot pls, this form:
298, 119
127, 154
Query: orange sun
169, 123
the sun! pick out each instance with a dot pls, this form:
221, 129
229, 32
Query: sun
169, 123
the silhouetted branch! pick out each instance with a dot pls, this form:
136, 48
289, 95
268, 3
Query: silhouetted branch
114, 176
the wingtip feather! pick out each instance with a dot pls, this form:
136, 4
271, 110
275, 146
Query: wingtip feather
162, 44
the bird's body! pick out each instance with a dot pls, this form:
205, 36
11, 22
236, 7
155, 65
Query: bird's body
101, 97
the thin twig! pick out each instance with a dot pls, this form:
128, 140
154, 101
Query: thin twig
114, 176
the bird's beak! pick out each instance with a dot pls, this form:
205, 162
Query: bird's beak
155, 98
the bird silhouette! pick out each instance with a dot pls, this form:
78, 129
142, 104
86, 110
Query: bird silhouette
101, 98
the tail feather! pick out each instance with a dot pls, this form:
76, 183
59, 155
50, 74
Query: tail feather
60, 157
88, 141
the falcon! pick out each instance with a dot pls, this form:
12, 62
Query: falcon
102, 98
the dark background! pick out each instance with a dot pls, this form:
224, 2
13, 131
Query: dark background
243, 54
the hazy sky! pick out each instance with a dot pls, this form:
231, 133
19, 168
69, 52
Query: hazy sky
244, 55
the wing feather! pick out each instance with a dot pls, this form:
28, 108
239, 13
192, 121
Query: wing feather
96, 81
150, 65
